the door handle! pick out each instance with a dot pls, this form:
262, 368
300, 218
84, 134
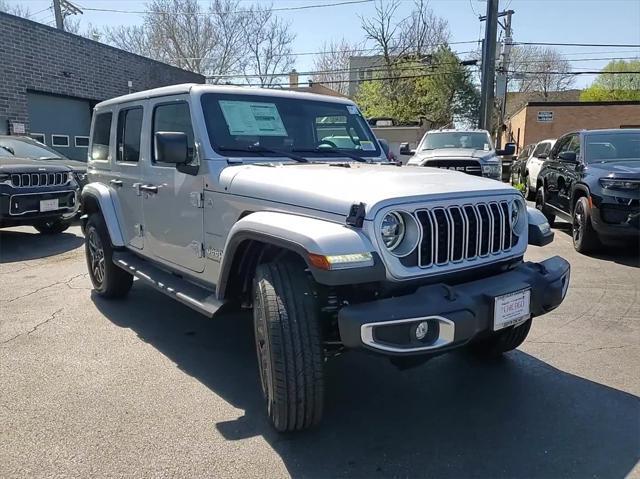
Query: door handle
115, 182
149, 188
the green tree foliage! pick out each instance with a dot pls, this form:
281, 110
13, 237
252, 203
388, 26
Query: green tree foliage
624, 85
435, 87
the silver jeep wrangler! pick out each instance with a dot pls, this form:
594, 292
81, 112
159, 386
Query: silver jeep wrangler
283, 203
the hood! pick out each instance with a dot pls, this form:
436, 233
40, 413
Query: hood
618, 168
335, 188
453, 153
75, 165
24, 165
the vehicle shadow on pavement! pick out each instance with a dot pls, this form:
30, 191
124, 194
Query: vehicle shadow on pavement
23, 246
455, 416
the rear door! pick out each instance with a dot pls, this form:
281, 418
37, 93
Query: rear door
172, 200
554, 167
127, 166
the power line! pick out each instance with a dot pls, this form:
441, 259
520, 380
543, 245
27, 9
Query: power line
278, 9
591, 72
554, 44
382, 68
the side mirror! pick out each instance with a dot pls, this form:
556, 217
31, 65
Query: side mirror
171, 147
540, 233
405, 150
509, 149
568, 156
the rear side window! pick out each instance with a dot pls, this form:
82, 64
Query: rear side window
174, 117
101, 137
129, 129
542, 149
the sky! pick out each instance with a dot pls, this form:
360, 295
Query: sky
557, 21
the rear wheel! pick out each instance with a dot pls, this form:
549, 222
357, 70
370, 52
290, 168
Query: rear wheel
541, 204
288, 345
108, 280
502, 341
585, 238
53, 226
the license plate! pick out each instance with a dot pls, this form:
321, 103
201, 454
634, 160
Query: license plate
49, 205
512, 308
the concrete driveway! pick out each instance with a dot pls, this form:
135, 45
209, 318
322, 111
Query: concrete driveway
144, 387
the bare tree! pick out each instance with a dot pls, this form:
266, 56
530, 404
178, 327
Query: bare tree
543, 70
15, 9
332, 65
383, 30
186, 34
268, 43
423, 31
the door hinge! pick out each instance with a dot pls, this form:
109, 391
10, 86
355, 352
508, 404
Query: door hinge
139, 229
196, 199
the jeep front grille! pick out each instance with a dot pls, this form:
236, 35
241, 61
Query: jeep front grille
35, 180
456, 233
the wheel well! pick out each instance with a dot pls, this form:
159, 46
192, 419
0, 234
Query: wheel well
577, 194
248, 255
90, 205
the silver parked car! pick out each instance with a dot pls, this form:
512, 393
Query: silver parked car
283, 203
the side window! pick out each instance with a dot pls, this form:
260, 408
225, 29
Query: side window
574, 145
129, 129
173, 117
101, 137
561, 145
541, 149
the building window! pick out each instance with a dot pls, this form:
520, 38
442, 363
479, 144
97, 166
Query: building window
82, 141
38, 137
101, 137
60, 140
129, 130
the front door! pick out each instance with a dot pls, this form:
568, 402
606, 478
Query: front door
173, 213
127, 167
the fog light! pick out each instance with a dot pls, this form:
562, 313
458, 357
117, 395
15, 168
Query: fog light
421, 330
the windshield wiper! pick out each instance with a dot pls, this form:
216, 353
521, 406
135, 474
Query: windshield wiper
262, 149
334, 151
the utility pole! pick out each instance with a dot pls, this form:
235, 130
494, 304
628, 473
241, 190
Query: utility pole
57, 10
503, 68
488, 65
62, 9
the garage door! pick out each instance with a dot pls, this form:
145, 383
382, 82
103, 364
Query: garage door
60, 122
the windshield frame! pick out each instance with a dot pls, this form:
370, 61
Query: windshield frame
225, 148
486, 135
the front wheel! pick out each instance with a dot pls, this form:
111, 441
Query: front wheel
52, 227
288, 345
585, 238
502, 341
108, 280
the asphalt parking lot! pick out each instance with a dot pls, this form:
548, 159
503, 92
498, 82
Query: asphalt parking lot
145, 387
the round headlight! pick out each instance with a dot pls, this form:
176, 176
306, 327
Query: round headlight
392, 230
518, 216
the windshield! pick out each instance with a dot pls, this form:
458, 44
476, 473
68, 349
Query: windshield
602, 147
250, 125
474, 140
29, 149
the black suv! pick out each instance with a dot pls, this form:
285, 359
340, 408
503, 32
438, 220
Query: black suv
44, 196
592, 179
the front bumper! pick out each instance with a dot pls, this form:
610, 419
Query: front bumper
616, 219
456, 314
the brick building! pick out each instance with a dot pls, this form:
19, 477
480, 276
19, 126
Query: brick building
538, 120
50, 80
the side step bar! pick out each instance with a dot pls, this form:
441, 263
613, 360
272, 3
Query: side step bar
202, 300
